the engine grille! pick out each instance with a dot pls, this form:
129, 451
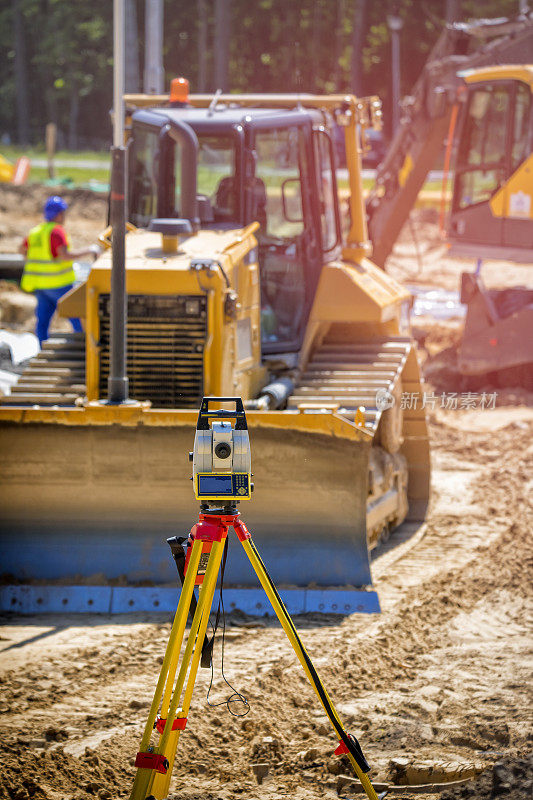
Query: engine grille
165, 346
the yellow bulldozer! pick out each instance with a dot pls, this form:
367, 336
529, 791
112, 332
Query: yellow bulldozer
247, 276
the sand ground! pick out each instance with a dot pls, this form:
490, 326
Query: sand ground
441, 676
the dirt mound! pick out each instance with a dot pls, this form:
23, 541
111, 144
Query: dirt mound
432, 336
442, 674
510, 778
47, 773
16, 308
438, 344
21, 208
29, 200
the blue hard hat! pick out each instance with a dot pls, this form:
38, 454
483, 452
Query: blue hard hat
54, 206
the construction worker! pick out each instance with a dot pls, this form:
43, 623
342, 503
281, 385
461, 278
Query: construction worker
48, 271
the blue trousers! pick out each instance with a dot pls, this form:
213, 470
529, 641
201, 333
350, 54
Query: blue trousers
47, 300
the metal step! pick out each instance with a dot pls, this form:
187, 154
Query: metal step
62, 352
57, 360
349, 384
350, 374
329, 394
56, 345
360, 372
373, 366
30, 388
40, 399
44, 380
360, 349
44, 370
340, 360
55, 376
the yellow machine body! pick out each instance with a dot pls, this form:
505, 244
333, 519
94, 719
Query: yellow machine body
335, 470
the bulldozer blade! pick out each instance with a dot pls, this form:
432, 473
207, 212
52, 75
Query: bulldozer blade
101, 500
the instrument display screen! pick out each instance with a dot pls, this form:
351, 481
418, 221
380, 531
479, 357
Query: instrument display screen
215, 485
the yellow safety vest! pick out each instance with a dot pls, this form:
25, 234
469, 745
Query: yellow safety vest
41, 270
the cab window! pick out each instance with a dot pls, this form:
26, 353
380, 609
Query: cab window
217, 190
327, 192
144, 160
483, 162
278, 169
521, 126
278, 206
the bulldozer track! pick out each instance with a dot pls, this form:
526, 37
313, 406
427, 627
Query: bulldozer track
400, 545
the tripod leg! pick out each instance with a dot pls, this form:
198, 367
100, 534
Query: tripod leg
175, 640
303, 657
168, 742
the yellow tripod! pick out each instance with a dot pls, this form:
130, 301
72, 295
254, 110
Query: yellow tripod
154, 764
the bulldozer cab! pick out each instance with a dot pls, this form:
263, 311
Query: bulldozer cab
492, 206
275, 167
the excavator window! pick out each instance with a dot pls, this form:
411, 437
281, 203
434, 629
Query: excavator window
481, 162
494, 142
521, 146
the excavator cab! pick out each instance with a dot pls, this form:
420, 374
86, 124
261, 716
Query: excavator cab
252, 165
492, 206
491, 217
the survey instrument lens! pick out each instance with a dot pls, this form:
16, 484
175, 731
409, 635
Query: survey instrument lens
222, 450
221, 456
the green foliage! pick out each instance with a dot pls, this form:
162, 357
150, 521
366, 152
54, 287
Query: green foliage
68, 57
275, 45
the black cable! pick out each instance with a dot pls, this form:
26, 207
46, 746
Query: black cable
224, 273
236, 696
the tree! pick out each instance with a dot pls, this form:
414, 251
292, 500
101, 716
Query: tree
222, 42
202, 46
77, 63
56, 57
358, 40
453, 10
131, 46
21, 79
